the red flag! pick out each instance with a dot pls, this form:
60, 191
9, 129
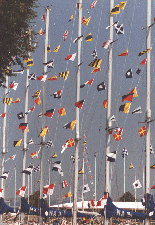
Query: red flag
142, 131
105, 103
21, 191
3, 115
143, 62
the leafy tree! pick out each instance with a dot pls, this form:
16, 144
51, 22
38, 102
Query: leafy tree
34, 199
126, 197
15, 19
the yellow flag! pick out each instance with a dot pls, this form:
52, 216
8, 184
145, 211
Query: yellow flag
134, 91
72, 124
122, 5
127, 107
57, 48
43, 132
80, 171
86, 21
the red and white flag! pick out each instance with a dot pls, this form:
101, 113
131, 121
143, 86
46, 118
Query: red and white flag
13, 85
71, 57
106, 44
42, 78
21, 191
64, 184
64, 222
69, 143
48, 189
103, 200
3, 115
93, 4
1, 193
34, 155
65, 35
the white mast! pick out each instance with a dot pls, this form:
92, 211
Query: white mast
43, 109
95, 154
148, 110
77, 117
83, 179
124, 173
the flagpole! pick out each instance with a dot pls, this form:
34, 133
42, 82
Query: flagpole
83, 179
135, 191
43, 109
124, 173
31, 182
77, 118
3, 144
28, 187
148, 110
49, 173
95, 154
15, 189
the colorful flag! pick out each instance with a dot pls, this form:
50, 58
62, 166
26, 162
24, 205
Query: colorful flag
65, 35
32, 76
44, 132
13, 85
54, 155
56, 49
68, 195
1, 193
122, 5
42, 78
137, 184
20, 115
49, 144
23, 126
95, 63
105, 103
125, 108
17, 143
143, 62
28, 170
3, 115
17, 101
146, 51
62, 111
127, 97
117, 137
70, 18
30, 62
137, 110
30, 142
38, 101
70, 125
131, 166
134, 91
36, 169
34, 155
64, 74
125, 53
112, 156
69, 143
21, 191
7, 101
124, 152
79, 104
85, 21
78, 38
129, 74
64, 184
94, 54
5, 175
119, 29
71, 57
153, 166
48, 48
93, 4
115, 10
30, 110
57, 167
36, 94
49, 64
106, 44
114, 24
97, 69
142, 131
101, 86
89, 37
80, 171
48, 189
88, 82
49, 113
57, 94
52, 78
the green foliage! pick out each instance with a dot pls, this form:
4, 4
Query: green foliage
15, 19
127, 197
34, 199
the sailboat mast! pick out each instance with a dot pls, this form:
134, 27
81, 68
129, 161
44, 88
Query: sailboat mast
43, 108
108, 123
148, 110
77, 117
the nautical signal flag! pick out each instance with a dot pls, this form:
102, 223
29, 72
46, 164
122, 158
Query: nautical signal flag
142, 131
125, 108
153, 166
44, 132
37, 101
105, 103
28, 170
34, 155
106, 44
68, 195
16, 101
52, 78
69, 143
17, 143
125, 53
153, 187
117, 137
122, 5
1, 193
129, 73
64, 184
137, 110
70, 18
88, 82
49, 144
62, 111
70, 125
71, 57
115, 10
119, 29
20, 115
146, 51
48, 189
30, 110
30, 62
54, 155
49, 113
3, 115
94, 54
93, 4
5, 175
95, 63
21, 191
127, 97
48, 48
64, 74
42, 78
57, 94
80, 171
13, 85
89, 37
111, 157
134, 91
124, 152
32, 76
131, 166
56, 49
86, 188
36, 94
65, 35
86, 21
143, 62
101, 86
49, 64
97, 69
79, 104
78, 38
23, 126
137, 184
7, 101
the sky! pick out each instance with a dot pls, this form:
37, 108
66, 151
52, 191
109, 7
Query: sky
93, 114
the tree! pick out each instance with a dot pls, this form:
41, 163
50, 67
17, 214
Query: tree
16, 16
126, 197
34, 199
